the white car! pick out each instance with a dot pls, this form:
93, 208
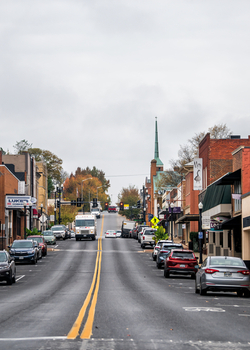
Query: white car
147, 238
73, 235
110, 234
118, 233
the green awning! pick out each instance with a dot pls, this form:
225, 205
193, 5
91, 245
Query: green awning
216, 195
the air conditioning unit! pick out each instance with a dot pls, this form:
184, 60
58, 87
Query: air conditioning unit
210, 249
218, 250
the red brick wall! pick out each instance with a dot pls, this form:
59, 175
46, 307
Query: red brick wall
217, 155
245, 172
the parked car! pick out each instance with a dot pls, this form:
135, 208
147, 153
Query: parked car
49, 237
161, 257
118, 233
159, 245
59, 231
181, 262
7, 268
110, 234
23, 250
223, 273
139, 231
147, 238
73, 235
41, 244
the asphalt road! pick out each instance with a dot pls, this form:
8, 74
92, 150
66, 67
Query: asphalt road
108, 294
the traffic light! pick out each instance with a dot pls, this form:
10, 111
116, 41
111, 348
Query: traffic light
138, 204
95, 202
121, 206
58, 203
106, 205
73, 202
79, 202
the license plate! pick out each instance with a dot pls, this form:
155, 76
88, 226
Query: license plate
85, 236
227, 274
20, 257
182, 265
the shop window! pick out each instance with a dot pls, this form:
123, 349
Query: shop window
221, 239
237, 190
229, 240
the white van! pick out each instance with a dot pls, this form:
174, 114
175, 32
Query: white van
85, 227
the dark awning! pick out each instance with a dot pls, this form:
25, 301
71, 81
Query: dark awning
230, 178
187, 218
216, 195
232, 223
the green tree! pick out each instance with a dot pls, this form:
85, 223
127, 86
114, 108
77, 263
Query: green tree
3, 152
160, 234
54, 163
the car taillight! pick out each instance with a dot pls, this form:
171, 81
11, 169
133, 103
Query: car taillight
143, 237
210, 271
244, 272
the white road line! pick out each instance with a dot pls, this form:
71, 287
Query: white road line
17, 279
35, 338
244, 315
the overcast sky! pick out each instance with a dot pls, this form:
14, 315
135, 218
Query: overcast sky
86, 78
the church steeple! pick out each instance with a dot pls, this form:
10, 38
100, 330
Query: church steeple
159, 162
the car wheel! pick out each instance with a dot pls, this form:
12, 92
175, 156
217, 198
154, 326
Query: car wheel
158, 266
202, 291
142, 246
14, 278
154, 258
193, 276
166, 274
196, 289
246, 294
93, 238
9, 280
35, 261
239, 293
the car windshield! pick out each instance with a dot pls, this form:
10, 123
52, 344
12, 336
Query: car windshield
96, 209
226, 261
186, 255
58, 228
110, 231
22, 244
48, 233
164, 255
3, 257
85, 222
37, 239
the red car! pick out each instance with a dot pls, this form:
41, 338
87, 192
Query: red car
181, 262
41, 242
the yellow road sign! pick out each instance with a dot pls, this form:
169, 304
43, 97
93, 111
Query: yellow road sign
155, 221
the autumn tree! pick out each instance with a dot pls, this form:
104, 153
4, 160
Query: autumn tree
68, 213
129, 196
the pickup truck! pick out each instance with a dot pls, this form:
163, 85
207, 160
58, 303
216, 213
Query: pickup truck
147, 238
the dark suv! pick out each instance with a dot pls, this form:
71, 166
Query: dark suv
23, 250
7, 268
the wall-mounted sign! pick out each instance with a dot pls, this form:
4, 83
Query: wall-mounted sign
16, 202
197, 174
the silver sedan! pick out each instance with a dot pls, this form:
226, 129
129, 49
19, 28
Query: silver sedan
223, 273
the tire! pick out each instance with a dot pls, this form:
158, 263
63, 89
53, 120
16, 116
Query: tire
142, 246
166, 274
246, 294
154, 258
240, 293
76, 239
196, 289
202, 291
193, 276
158, 266
35, 261
93, 238
14, 278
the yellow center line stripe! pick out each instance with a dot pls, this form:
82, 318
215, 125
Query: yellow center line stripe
74, 332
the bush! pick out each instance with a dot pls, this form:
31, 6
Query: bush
160, 234
34, 232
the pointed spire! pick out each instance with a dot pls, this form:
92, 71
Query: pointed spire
159, 162
156, 140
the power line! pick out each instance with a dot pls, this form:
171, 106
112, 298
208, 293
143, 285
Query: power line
125, 175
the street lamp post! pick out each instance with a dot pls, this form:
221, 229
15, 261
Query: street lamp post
60, 191
42, 215
172, 231
54, 216
200, 206
82, 186
30, 207
158, 209
24, 205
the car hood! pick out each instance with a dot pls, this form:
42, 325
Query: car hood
3, 264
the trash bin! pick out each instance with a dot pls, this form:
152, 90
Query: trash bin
190, 245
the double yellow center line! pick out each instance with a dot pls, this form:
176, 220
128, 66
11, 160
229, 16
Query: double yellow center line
87, 330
